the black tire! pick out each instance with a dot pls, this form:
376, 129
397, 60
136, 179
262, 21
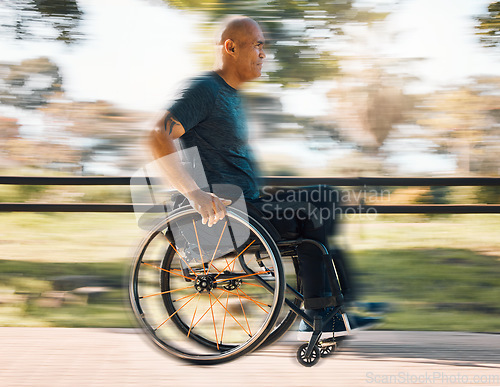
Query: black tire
287, 317
166, 277
308, 361
327, 350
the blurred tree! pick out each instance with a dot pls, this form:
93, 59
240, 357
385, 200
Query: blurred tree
98, 129
299, 32
9, 128
485, 160
367, 105
74, 133
40, 154
28, 19
488, 195
464, 124
29, 84
489, 26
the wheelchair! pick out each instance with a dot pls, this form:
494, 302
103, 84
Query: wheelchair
208, 295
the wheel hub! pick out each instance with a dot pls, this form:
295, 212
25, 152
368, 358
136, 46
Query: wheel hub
205, 283
232, 284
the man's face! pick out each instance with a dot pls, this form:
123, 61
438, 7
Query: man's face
250, 53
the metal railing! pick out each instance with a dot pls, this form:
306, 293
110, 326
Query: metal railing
268, 181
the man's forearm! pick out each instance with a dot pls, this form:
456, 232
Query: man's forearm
209, 206
161, 146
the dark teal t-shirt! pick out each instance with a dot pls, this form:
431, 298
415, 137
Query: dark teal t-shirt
212, 115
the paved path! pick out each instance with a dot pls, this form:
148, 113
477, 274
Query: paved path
106, 357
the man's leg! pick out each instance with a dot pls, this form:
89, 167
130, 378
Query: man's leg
310, 213
345, 273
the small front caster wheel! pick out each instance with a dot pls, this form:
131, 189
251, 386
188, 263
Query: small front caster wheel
327, 350
308, 361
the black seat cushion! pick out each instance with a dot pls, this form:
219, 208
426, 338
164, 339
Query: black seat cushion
284, 229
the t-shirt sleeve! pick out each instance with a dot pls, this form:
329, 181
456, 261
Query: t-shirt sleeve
194, 103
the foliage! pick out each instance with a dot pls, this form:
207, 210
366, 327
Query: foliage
24, 17
30, 84
28, 192
299, 32
111, 130
368, 105
464, 122
74, 132
435, 195
488, 195
489, 26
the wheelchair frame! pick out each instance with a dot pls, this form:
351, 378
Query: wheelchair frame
167, 269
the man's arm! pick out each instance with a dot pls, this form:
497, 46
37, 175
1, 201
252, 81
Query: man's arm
167, 129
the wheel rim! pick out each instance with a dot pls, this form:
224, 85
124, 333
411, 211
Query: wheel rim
210, 309
308, 361
287, 317
327, 350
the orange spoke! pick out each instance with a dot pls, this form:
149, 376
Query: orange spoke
247, 297
251, 284
179, 299
215, 268
217, 247
229, 313
180, 256
199, 247
195, 309
242, 276
168, 271
244, 314
224, 321
250, 299
213, 319
211, 304
227, 265
173, 314
235, 258
234, 264
168, 291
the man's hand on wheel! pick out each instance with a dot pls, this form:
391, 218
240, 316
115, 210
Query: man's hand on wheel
209, 206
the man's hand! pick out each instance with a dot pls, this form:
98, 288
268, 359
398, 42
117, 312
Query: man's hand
209, 206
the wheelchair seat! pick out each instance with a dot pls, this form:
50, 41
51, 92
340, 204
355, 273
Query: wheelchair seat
279, 231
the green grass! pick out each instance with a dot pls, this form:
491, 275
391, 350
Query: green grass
38, 247
439, 273
433, 289
35, 287
68, 237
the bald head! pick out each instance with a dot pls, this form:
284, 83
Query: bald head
236, 28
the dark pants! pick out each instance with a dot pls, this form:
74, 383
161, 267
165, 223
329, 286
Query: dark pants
312, 213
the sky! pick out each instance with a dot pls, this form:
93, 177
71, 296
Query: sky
133, 53
443, 32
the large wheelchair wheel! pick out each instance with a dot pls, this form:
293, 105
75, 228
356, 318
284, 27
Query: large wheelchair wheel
207, 295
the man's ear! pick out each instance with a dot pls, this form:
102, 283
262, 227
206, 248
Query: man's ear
229, 46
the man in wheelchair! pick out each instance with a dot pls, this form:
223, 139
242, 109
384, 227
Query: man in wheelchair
208, 114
